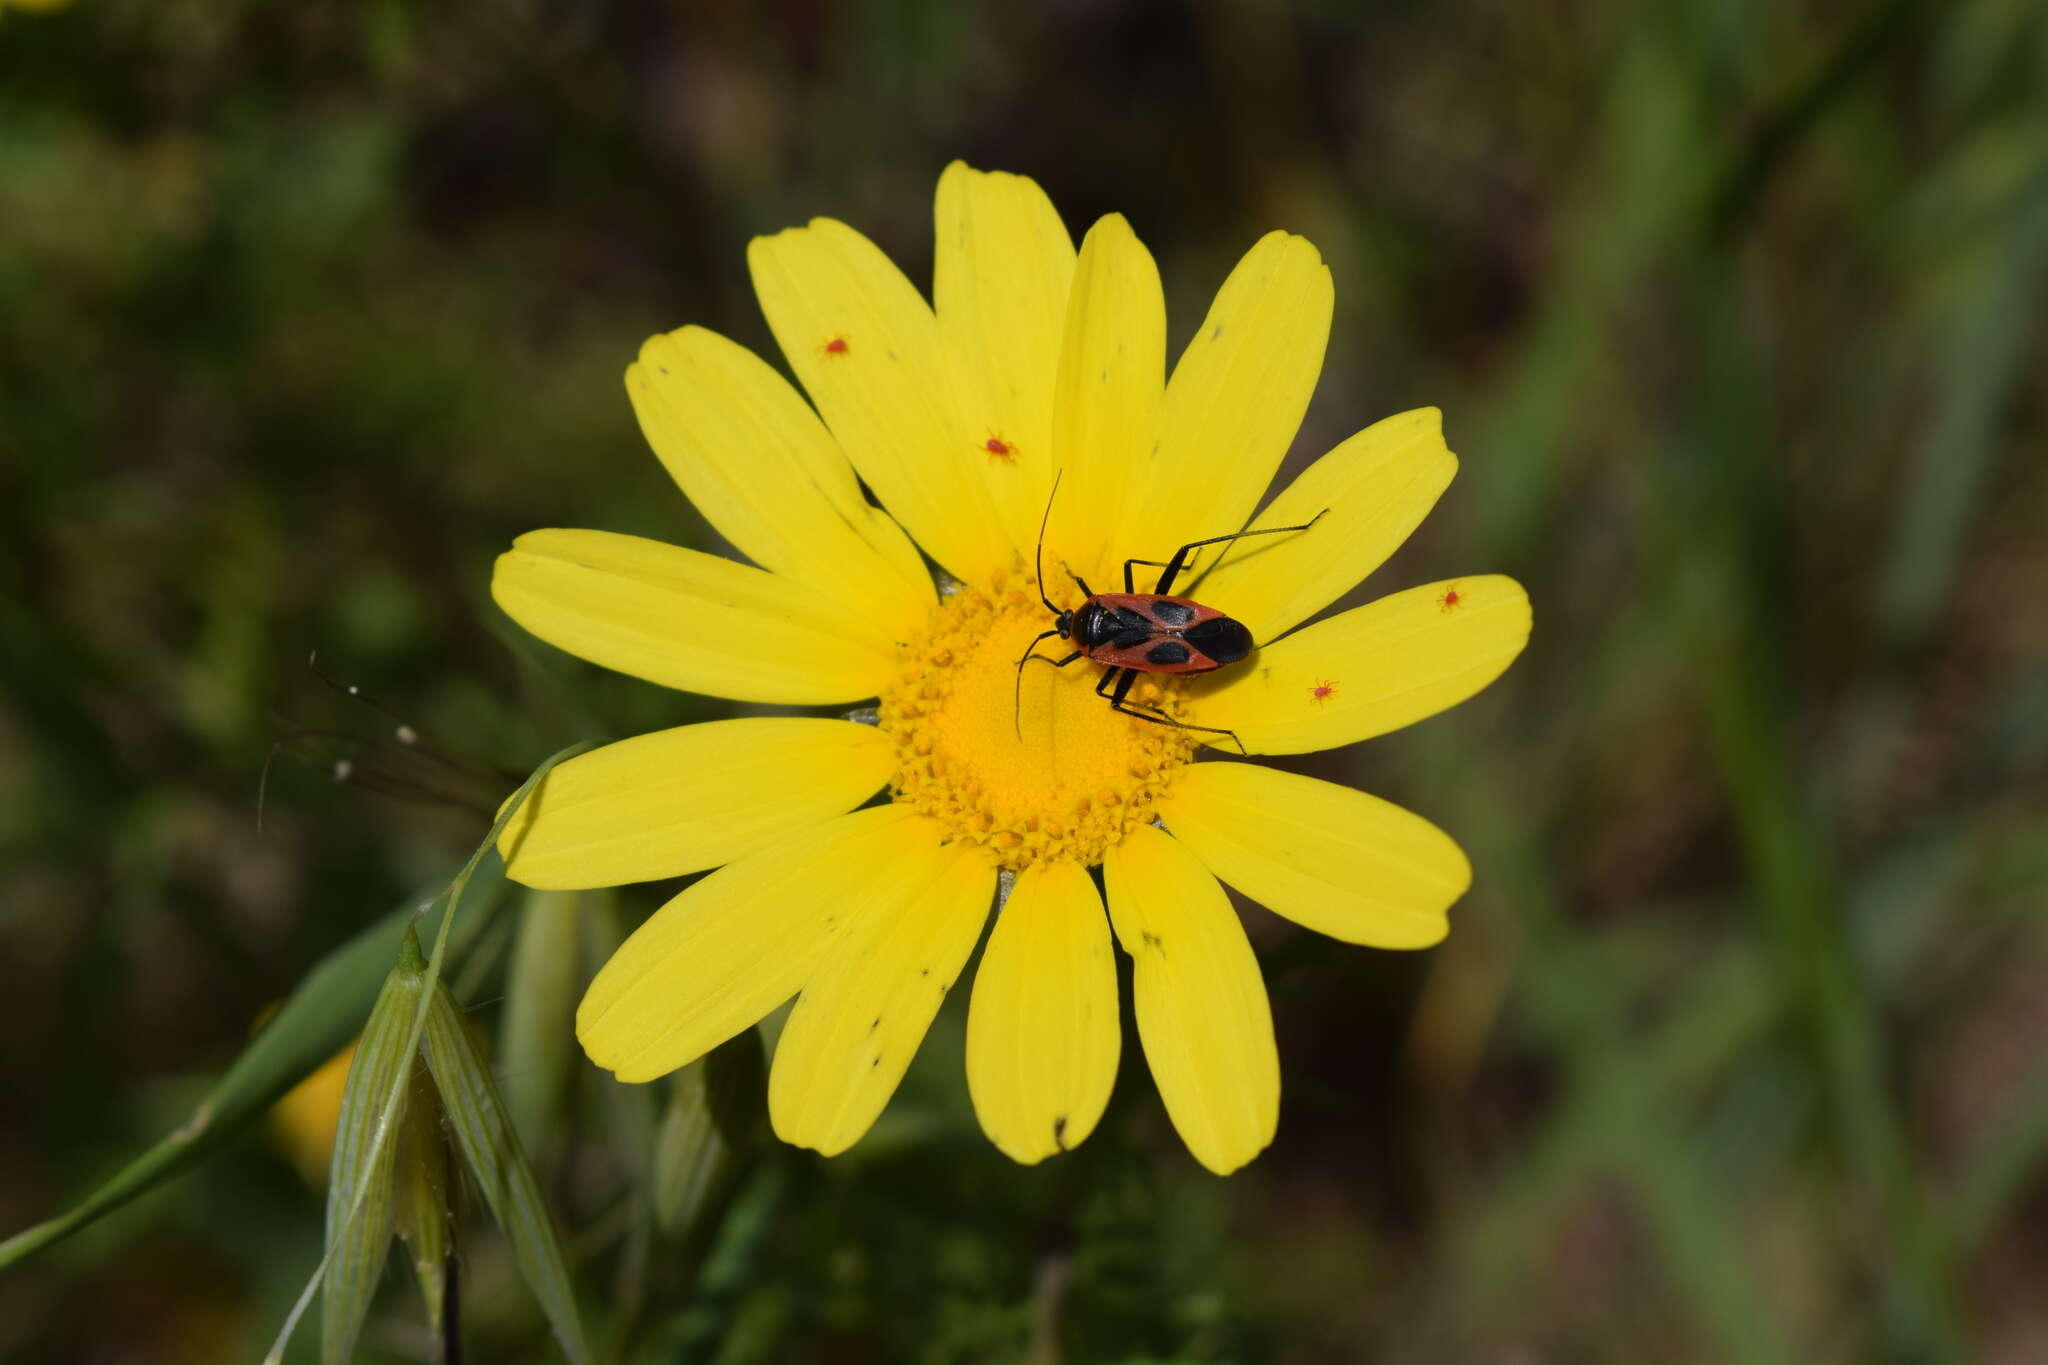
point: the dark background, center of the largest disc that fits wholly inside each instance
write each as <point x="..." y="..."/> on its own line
<point x="1735" y="1051"/>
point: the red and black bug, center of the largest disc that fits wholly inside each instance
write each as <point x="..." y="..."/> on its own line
<point x="1132" y="632"/>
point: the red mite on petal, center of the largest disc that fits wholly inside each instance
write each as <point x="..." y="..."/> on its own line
<point x="1322" y="692"/>
<point x="836" y="346"/>
<point x="996" y="445"/>
<point x="1449" y="601"/>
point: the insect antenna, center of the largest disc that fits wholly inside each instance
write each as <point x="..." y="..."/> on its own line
<point x="1038" y="570"/>
<point x="1038" y="556"/>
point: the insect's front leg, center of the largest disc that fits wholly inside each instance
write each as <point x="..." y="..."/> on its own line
<point x="1031" y="652"/>
<point x="1017" y="692"/>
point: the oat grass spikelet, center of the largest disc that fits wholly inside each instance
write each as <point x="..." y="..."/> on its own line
<point x="1033" y="359"/>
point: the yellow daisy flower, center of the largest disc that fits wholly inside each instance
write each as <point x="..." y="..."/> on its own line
<point x="1033" y="361"/>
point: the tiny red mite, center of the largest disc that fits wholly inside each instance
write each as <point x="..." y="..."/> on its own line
<point x="1132" y="632"/>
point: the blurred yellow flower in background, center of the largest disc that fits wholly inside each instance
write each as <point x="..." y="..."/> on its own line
<point x="1034" y="361"/>
<point x="302" y="1123"/>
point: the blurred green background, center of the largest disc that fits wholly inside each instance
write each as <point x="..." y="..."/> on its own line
<point x="1734" y="310"/>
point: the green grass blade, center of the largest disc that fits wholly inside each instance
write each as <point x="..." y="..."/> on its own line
<point x="359" y="1214"/>
<point x="1983" y="356"/>
<point x="626" y="1115"/>
<point x="319" y="1019"/>
<point x="2001" y="1166"/>
<point x="497" y="1163"/>
<point x="537" y="1029"/>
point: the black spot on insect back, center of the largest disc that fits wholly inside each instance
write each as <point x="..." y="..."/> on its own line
<point x="1167" y="653"/>
<point x="1221" y="638"/>
<point x="1172" y="613"/>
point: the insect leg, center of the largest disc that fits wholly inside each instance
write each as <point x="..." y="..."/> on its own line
<point x="1170" y="722"/>
<point x="1030" y="654"/>
<point x="1120" y="703"/>
<point x="1130" y="586"/>
<point x="1180" y="556"/>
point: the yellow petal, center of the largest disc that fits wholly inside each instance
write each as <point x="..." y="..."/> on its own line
<point x="1369" y="670"/>
<point x="689" y="620"/>
<point x="1042" y="1028"/>
<point x="1373" y="490"/>
<point x="682" y="800"/>
<point x="761" y="467"/>
<point x="1200" y="1002"/>
<point x="866" y="347"/>
<point x="1330" y="858"/>
<point x="732" y="947"/>
<point x="1233" y="404"/>
<point x="999" y="282"/>
<point x="1112" y="378"/>
<point x="861" y="1017"/>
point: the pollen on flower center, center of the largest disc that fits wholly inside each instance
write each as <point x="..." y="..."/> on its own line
<point x="1053" y="774"/>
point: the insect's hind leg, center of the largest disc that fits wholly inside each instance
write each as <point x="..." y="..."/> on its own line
<point x="1180" y="556"/>
<point x="1119" y="701"/>
<point x="1133" y="710"/>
